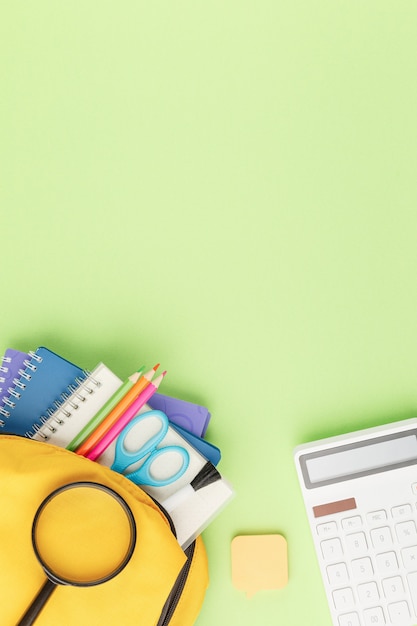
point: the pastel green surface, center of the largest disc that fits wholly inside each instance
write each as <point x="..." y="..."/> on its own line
<point x="228" y="188"/>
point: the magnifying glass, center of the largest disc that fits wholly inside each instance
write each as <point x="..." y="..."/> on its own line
<point x="83" y="534"/>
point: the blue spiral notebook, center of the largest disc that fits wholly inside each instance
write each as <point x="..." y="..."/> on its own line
<point x="45" y="380"/>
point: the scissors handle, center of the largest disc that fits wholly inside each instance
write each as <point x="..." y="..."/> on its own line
<point x="123" y="457"/>
<point x="142" y="476"/>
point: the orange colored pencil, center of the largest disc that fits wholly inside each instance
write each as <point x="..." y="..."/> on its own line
<point x="115" y="413"/>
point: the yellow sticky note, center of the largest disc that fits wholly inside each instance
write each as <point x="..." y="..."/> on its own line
<point x="259" y="562"/>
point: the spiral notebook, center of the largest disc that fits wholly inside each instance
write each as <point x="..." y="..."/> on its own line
<point x="11" y="363"/>
<point x="78" y="408"/>
<point x="42" y="382"/>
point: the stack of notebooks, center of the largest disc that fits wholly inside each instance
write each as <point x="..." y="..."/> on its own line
<point x="96" y="414"/>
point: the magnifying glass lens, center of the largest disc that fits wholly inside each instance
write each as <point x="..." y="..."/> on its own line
<point x="82" y="535"/>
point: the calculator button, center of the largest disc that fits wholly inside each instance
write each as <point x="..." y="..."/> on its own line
<point x="356" y="543"/>
<point x="381" y="537"/>
<point x="349" y="619"/>
<point x="410" y="557"/>
<point x="362" y="568"/>
<point x="393" y="587"/>
<point x="406" y="532"/>
<point x="399" y="613"/>
<point x="401" y="511"/>
<point x="412" y="584"/>
<point x="368" y="593"/>
<point x="414" y="488"/>
<point x="343" y="598"/>
<point x="374" y="616"/>
<point x="325" y="530"/>
<point x="387" y="562"/>
<point x="331" y="549"/>
<point x="376" y="517"/>
<point x="337" y="574"/>
<point x="352" y="523"/>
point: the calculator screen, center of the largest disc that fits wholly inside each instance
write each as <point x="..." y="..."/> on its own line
<point x="359" y="459"/>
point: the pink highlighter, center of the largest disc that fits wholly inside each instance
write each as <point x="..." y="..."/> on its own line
<point x="125" y="418"/>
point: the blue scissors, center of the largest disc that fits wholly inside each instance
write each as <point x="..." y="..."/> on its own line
<point x="123" y="458"/>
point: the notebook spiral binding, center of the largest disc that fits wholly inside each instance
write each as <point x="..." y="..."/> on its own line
<point x="4" y="369"/>
<point x="15" y="392"/>
<point x="65" y="407"/>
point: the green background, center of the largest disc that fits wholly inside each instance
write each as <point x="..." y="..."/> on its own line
<point x="228" y="188"/>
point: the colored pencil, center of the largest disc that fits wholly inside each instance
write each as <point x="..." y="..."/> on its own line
<point x="105" y="410"/>
<point x="116" y="413"/>
<point x="129" y="414"/>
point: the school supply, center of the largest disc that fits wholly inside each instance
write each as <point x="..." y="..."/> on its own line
<point x="11" y="363"/>
<point x="160" y="585"/>
<point x="208" y="450"/>
<point x="72" y="525"/>
<point x="190" y="420"/>
<point x="191" y="417"/>
<point x="193" y="513"/>
<point x="116" y="413"/>
<point x="45" y="380"/>
<point x="259" y="562"/>
<point x="149" y="453"/>
<point x="180" y="466"/>
<point x="76" y="410"/>
<point x="360" y="494"/>
<point x="206" y="476"/>
<point x="123" y="420"/>
<point x="113" y="401"/>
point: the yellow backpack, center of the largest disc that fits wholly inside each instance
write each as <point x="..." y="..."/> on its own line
<point x="161" y="585"/>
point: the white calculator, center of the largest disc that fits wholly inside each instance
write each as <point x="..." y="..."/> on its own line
<point x="360" y="492"/>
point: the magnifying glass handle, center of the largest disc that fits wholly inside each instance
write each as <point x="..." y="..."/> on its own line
<point x="37" y="605"/>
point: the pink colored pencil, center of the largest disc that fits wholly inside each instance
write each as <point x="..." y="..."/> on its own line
<point x="124" y="419"/>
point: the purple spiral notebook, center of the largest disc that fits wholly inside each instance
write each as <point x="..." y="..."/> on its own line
<point x="12" y="362"/>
